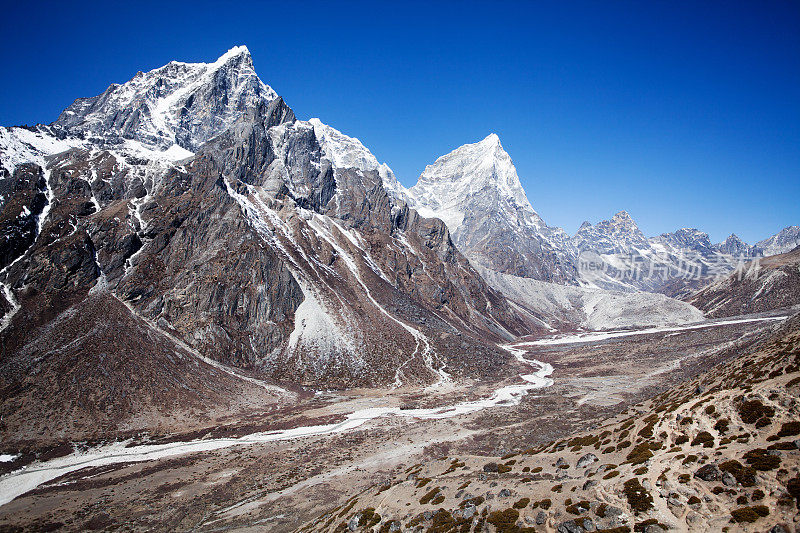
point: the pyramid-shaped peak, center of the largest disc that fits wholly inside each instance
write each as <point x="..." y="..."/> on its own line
<point x="492" y="138"/>
<point x="241" y="53"/>
<point x="236" y="51"/>
<point x="623" y="221"/>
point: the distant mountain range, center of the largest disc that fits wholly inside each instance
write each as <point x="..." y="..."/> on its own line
<point x="475" y="190"/>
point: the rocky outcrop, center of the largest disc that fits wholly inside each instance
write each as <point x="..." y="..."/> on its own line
<point x="23" y="200"/>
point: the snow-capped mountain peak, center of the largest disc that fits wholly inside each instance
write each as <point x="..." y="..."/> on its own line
<point x="688" y="238"/>
<point x="622" y="224"/>
<point x="183" y="104"/>
<point x="480" y="173"/>
<point x="734" y="246"/>
<point x="476" y="191"/>
<point x="491" y="140"/>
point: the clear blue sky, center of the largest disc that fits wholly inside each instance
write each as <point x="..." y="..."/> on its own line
<point x="683" y="114"/>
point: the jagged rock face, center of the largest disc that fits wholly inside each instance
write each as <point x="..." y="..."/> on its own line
<point x="23" y="200"/>
<point x="784" y="241"/>
<point x="762" y="285"/>
<point x="476" y="191"/>
<point x="618" y="235"/>
<point x="735" y="247"/>
<point x="182" y="104"/>
<point x="688" y="238"/>
<point x="339" y="224"/>
<point x="348" y="152"/>
<point x="264" y="250"/>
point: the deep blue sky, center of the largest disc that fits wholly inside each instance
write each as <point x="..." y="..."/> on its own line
<point x="683" y="114"/>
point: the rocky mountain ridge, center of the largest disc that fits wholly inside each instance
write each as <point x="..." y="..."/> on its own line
<point x="221" y="221"/>
<point x="761" y="285"/>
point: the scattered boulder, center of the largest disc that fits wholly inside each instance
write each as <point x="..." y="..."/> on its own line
<point x="541" y="518"/>
<point x="570" y="526"/>
<point x="710" y="472"/>
<point x="586" y="460"/>
<point x="466" y="513"/>
<point x="352" y="525"/>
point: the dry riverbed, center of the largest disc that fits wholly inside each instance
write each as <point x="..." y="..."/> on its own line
<point x="284" y="483"/>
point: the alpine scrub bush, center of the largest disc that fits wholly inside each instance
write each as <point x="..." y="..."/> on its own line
<point x="789" y="429"/>
<point x="638" y="498"/>
<point x="705" y="438"/>
<point x="751" y="411"/>
<point x="749" y="514"/>
<point x="429" y="496"/>
<point x="760" y="459"/>
<point x="521" y="503"/>
<point x="744" y="475"/>
<point x="504" y="521"/>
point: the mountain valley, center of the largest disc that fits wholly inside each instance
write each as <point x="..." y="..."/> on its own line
<point x="219" y="316"/>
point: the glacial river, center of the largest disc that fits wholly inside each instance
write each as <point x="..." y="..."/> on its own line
<point x="28" y="478"/>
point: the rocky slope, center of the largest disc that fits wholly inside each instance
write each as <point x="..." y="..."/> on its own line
<point x="97" y="371"/>
<point x="784" y="241"/>
<point x="719" y="452"/>
<point x="762" y="285"/>
<point x="194" y="196"/>
<point x="560" y="307"/>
